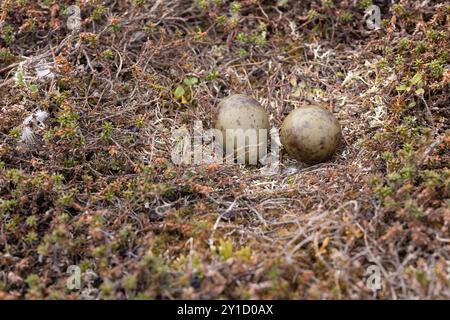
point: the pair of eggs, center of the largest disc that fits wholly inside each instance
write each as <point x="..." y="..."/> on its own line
<point x="310" y="134"/>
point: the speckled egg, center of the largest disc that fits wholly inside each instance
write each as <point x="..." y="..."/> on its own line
<point x="311" y="134"/>
<point x="239" y="111"/>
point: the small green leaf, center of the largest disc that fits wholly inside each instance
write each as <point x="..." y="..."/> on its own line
<point x="420" y="91"/>
<point x="226" y="249"/>
<point x="179" y="92"/>
<point x="402" y="87"/>
<point x="190" y="81"/>
<point x="416" y="79"/>
<point x="411" y="104"/>
<point x="34" y="88"/>
<point x="296" y="92"/>
<point x="20" y="78"/>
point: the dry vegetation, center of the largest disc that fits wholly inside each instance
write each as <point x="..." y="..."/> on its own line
<point x="93" y="184"/>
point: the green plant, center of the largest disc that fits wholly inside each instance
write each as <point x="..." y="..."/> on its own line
<point x="327" y="3"/>
<point x="107" y="129"/>
<point x="222" y="19"/>
<point x="235" y="7"/>
<point x="404" y="43"/>
<point x="15" y="176"/>
<point x="243" y="52"/>
<point x="68" y="122"/>
<point x="114" y="25"/>
<point x="99" y="12"/>
<point x="203" y="4"/>
<point x="190" y="81"/>
<point x="435" y="35"/>
<point x="213" y="75"/>
<point x="421" y="47"/>
<point x="15" y="133"/>
<point x="5" y="55"/>
<point x="31" y="236"/>
<point x="31" y="221"/>
<point x="415" y="82"/>
<point x="20" y="79"/>
<point x="107" y="54"/>
<point x="33" y="280"/>
<point x="179" y="92"/>
<point x="399" y="61"/>
<point x="437" y="68"/>
<point x="67" y="198"/>
<point x="8" y="206"/>
<point x="184" y="92"/>
<point x="347" y="16"/>
<point x="7" y="33"/>
<point x="312" y="14"/>
<point x="241" y="37"/>
<point x="364" y="4"/>
<point x="58" y="179"/>
<point x="140" y="122"/>
<point x="399" y="9"/>
<point x="139" y="3"/>
<point x="244" y="253"/>
<point x="383" y="63"/>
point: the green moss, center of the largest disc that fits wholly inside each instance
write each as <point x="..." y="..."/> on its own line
<point x="364" y="4"/>
<point x="7" y="33"/>
<point x="436" y="68"/>
<point x="33" y="280"/>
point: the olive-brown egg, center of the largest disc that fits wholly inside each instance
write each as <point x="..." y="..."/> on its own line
<point x="310" y="134"/>
<point x="241" y="118"/>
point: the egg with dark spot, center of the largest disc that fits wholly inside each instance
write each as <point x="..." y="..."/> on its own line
<point x="311" y="134"/>
<point x="239" y="111"/>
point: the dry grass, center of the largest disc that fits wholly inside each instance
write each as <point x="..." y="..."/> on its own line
<point x="97" y="189"/>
